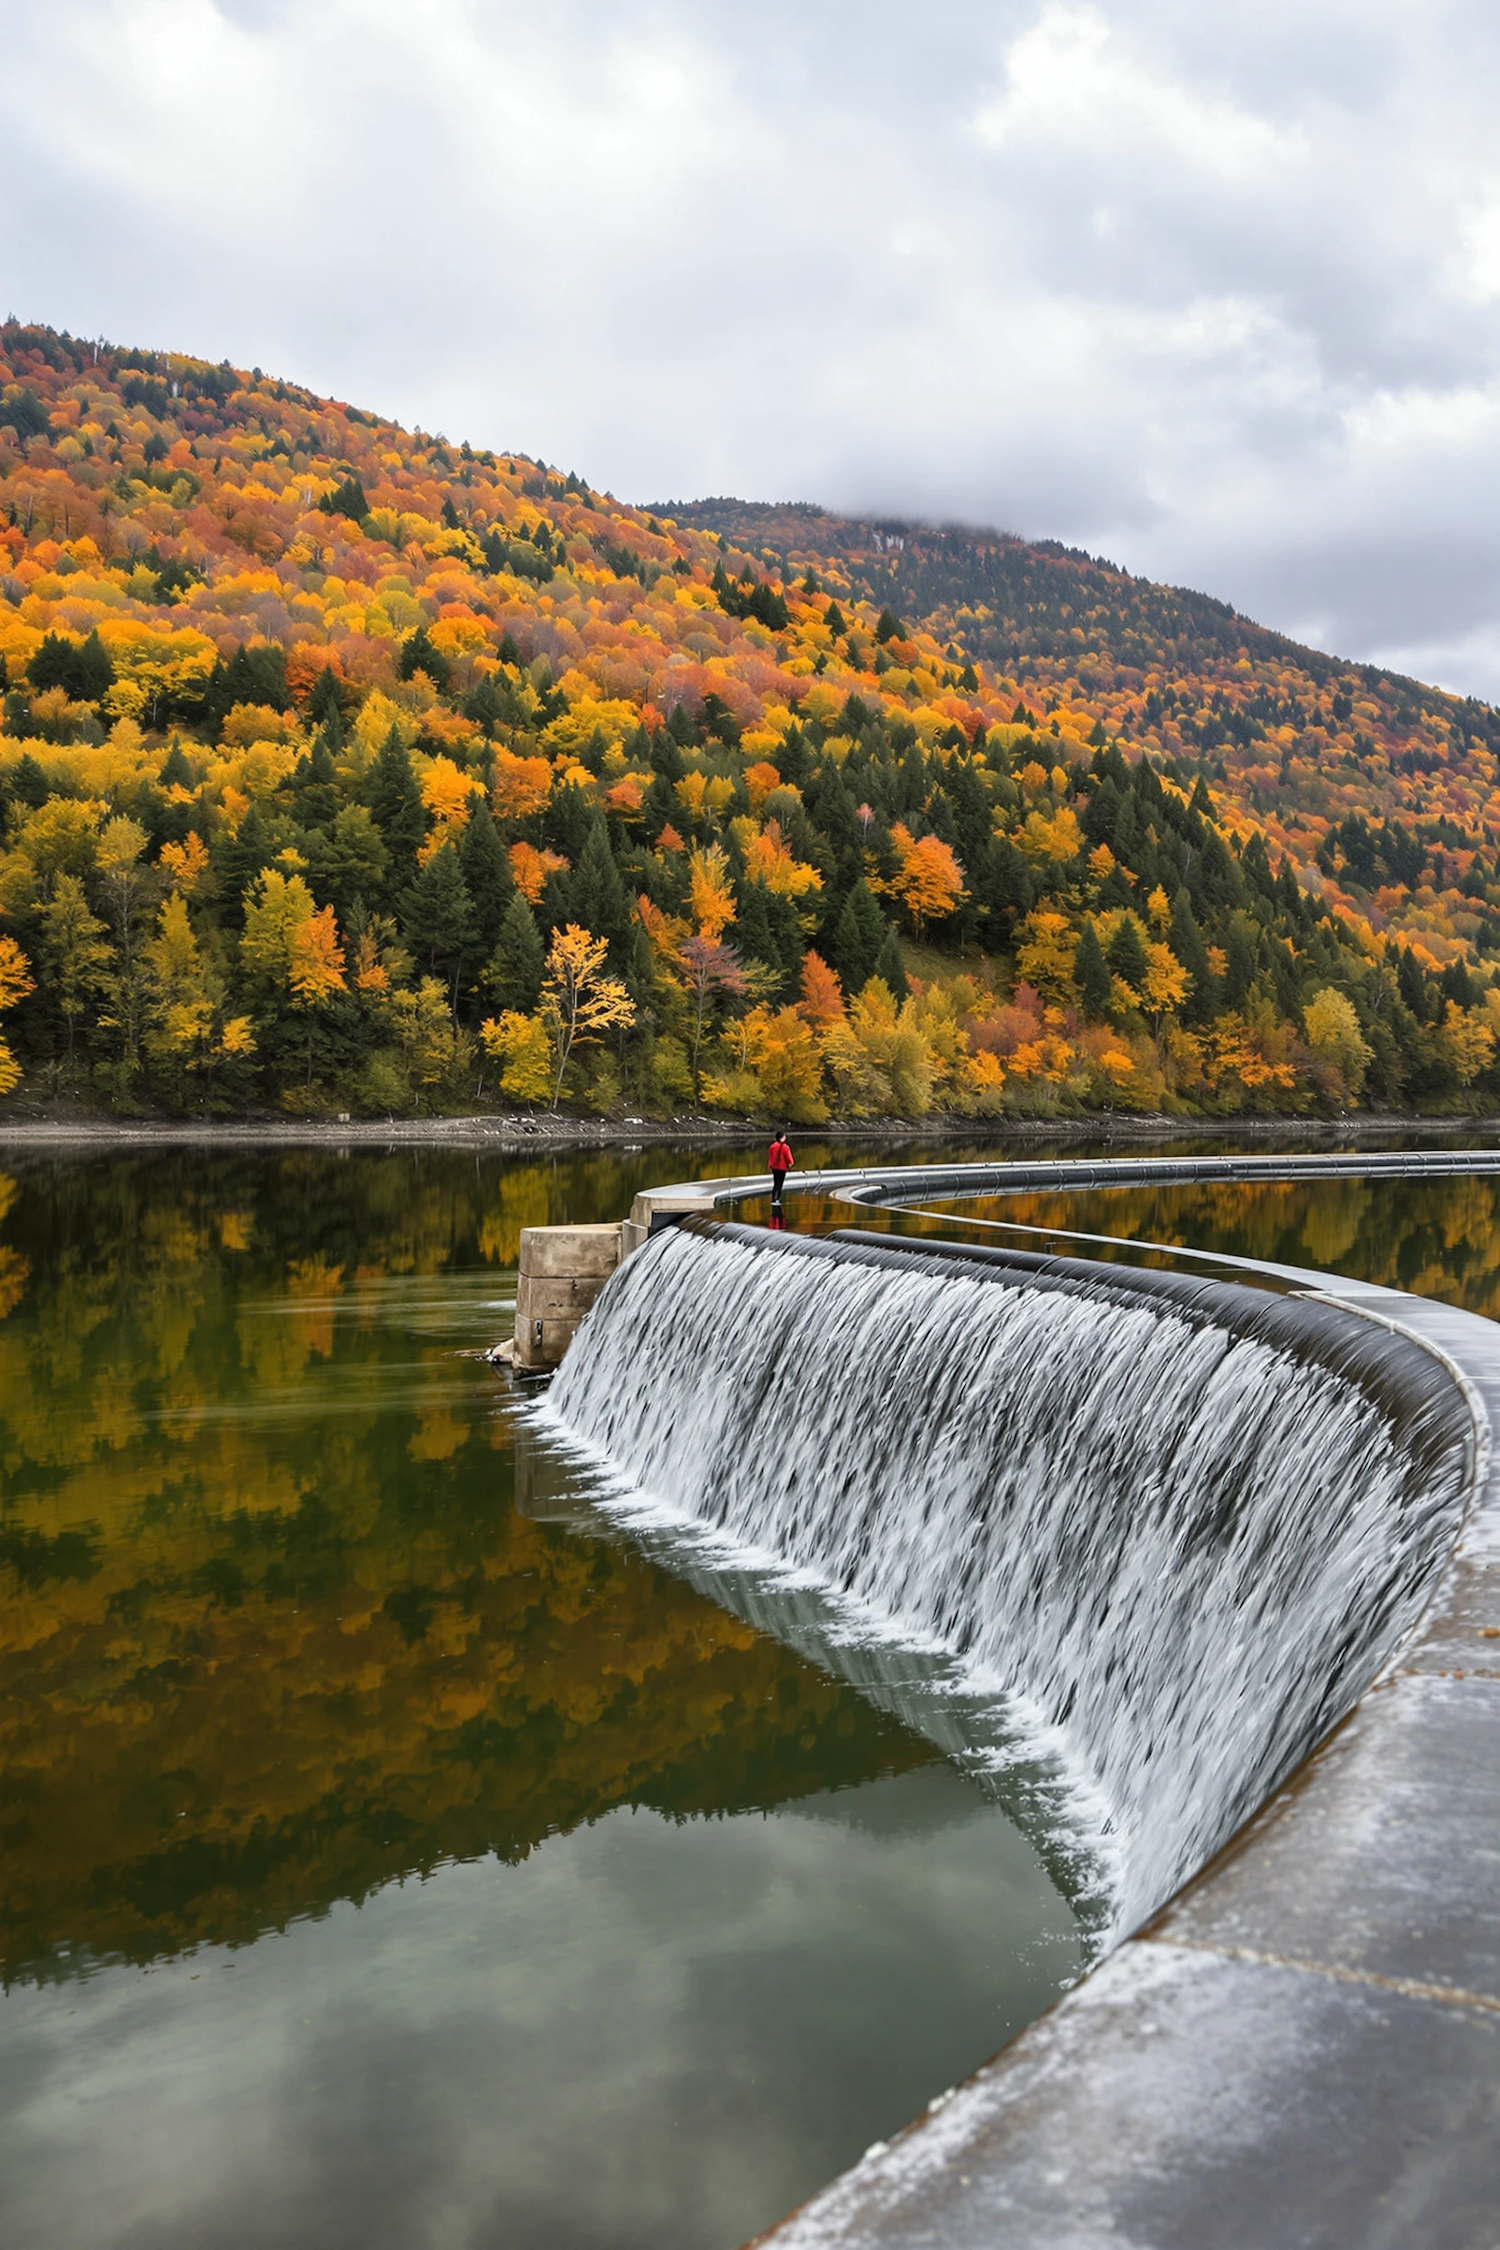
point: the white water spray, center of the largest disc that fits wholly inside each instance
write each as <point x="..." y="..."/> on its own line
<point x="1181" y="1549"/>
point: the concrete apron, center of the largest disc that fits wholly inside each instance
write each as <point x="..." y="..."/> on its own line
<point x="1301" y="2050"/>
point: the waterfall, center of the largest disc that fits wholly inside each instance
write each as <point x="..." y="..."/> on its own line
<point x="1178" y="1525"/>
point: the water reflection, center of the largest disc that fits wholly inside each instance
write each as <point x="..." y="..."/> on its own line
<point x="386" y="1863"/>
<point x="270" y="1629"/>
<point x="1435" y="1237"/>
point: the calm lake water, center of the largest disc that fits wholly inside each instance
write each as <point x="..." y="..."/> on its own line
<point x="394" y="1857"/>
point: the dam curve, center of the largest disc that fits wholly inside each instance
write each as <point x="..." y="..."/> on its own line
<point x="1176" y="1523"/>
<point x="1234" y="1551"/>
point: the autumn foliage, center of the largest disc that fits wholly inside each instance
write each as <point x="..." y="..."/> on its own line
<point x="345" y="767"/>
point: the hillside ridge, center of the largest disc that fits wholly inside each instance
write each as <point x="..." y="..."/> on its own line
<point x="347" y="768"/>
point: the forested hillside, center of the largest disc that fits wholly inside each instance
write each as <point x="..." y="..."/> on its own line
<point x="346" y="768"/>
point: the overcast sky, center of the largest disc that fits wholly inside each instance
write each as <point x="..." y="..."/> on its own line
<point x="1211" y="287"/>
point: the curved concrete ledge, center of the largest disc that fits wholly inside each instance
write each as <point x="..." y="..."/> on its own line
<point x="1303" y="2047"/>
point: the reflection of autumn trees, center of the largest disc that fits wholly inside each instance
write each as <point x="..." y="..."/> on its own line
<point x="270" y="1629"/>
<point x="1437" y="1238"/>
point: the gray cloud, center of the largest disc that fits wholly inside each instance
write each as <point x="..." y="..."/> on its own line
<point x="1215" y="291"/>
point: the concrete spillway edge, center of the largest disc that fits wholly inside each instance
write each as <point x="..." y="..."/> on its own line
<point x="1303" y="2046"/>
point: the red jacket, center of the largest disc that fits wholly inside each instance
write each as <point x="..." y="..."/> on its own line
<point x="779" y="1157"/>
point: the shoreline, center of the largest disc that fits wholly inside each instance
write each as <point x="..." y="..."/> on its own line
<point x="519" y="1133"/>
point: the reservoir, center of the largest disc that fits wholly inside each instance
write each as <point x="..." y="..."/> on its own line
<point x="397" y="1848"/>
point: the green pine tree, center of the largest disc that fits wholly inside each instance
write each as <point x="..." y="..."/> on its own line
<point x="1240" y="948"/>
<point x="316" y="795"/>
<point x="419" y="655"/>
<point x="597" y="894"/>
<point x="513" y="977"/>
<point x="486" y="870"/>
<point x="437" y="918"/>
<point x="1091" y="974"/>
<point x="396" y="803"/>
<point x="859" y="937"/>
<point x="238" y="860"/>
<point x="1127" y="954"/>
<point x="890" y="967"/>
<point x="1186" y="941"/>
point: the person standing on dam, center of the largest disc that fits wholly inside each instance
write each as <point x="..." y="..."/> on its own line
<point x="780" y="1159"/>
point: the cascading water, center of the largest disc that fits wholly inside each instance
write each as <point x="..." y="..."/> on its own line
<point x="1176" y="1525"/>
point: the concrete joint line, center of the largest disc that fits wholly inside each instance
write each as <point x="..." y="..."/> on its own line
<point x="1408" y="1987"/>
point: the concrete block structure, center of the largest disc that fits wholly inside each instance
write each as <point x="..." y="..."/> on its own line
<point x="562" y="1271"/>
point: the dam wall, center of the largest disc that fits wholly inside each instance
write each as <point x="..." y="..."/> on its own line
<point x="1175" y="1522"/>
<point x="1301" y="2045"/>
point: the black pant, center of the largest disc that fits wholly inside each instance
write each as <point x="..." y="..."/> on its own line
<point x="778" y="1182"/>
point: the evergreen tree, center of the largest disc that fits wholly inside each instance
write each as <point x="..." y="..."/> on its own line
<point x="973" y="820"/>
<point x="396" y="803"/>
<point x="419" y="655"/>
<point x="792" y="760"/>
<point x="832" y="806"/>
<point x="890" y="968"/>
<point x="1239" y="974"/>
<point x="346" y="862"/>
<point x="570" y="819"/>
<point x="599" y="900"/>
<point x="767" y="930"/>
<point x="437" y="917"/>
<point x="1003" y="890"/>
<point x="1186" y="941"/>
<point x="1127" y="955"/>
<point x="238" y="860"/>
<point x="485" y="864"/>
<point x="28" y="784"/>
<point x="1091" y="974"/>
<point x="1457" y="985"/>
<point x="513" y="977"/>
<point x="324" y="703"/>
<point x="316" y="795"/>
<point x="1412" y="985"/>
<point x="667" y="759"/>
<point x="859" y="937"/>
<point x="486" y="706"/>
<point x="176" y="773"/>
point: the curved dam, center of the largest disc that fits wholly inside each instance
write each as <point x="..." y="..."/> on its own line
<point x="1175" y="1523"/>
<point x="1231" y="1557"/>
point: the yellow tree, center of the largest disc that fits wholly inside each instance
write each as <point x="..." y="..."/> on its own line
<point x="712" y="898"/>
<point x="1046" y="953"/>
<point x="315" y="959"/>
<point x="783" y="1052"/>
<point x="179" y="1002"/>
<point x="183" y="998"/>
<point x="124" y="881"/>
<point x="16" y="980"/>
<point x="520" y="1045"/>
<point x="1467" y="1040"/>
<point x="77" y="951"/>
<point x="1166" y="985"/>
<point x="578" y="1000"/>
<point x="293" y="945"/>
<point x="929" y="881"/>
<point x="1334" y="1036"/>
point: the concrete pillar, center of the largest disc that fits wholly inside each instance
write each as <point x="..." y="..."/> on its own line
<point x="562" y="1271"/>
